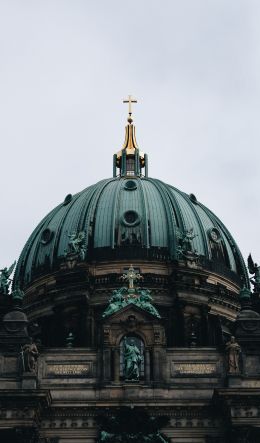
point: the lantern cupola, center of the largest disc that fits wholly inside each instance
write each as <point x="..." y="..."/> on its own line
<point x="130" y="161"/>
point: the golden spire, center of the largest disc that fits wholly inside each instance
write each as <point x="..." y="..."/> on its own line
<point x="129" y="160"/>
<point x="130" y="141"/>
<point x="130" y="100"/>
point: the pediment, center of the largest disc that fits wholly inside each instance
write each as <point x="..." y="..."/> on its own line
<point x="123" y="314"/>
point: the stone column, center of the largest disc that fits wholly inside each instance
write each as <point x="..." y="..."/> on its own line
<point x="156" y="364"/>
<point x="147" y="365"/>
<point x="107" y="364"/>
<point x="90" y="327"/>
<point x="116" y="365"/>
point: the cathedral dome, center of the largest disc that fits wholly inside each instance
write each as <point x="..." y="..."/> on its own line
<point x="130" y="217"/>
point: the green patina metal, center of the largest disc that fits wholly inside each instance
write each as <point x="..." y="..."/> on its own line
<point x="125" y="296"/>
<point x="5" y="280"/>
<point x="17" y="294"/>
<point x="185" y="248"/>
<point x="244" y="294"/>
<point x="159" y="213"/>
<point x="76" y="244"/>
<point x="132" y="359"/>
<point x="254" y="270"/>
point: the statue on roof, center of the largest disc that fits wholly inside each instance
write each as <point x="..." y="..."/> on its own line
<point x="17" y="294"/>
<point x="116" y="302"/>
<point x="125" y="296"/>
<point x="76" y="244"/>
<point x="144" y="301"/>
<point x="185" y="248"/>
<point x="5" y="279"/>
<point x="254" y="269"/>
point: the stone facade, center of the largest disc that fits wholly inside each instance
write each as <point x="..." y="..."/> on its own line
<point x="185" y="374"/>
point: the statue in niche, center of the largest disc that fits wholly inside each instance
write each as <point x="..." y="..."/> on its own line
<point x="185" y="248"/>
<point x="132" y="360"/>
<point x="29" y="356"/>
<point x="76" y="244"/>
<point x="5" y="279"/>
<point x="254" y="269"/>
<point x="233" y="352"/>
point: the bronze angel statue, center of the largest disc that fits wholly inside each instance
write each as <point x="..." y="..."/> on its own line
<point x="254" y="269"/>
<point x="5" y="279"/>
<point x="76" y="244"/>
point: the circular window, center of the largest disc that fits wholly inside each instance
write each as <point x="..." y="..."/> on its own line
<point x="46" y="236"/>
<point x="130" y="185"/>
<point x="67" y="199"/>
<point x="131" y="218"/>
<point x="214" y="235"/>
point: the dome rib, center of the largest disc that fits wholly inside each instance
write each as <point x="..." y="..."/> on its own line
<point x="96" y="199"/>
<point x="114" y="212"/>
<point x="167" y="209"/>
<point x="145" y="212"/>
<point x="26" y="251"/>
<point x="202" y="231"/>
<point x="233" y="243"/>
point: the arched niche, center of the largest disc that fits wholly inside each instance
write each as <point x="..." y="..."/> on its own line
<point x="138" y="343"/>
<point x="132" y="321"/>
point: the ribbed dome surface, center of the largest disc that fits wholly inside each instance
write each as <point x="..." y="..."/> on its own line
<point x="133" y="217"/>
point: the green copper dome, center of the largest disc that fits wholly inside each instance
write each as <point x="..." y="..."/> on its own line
<point x="129" y="218"/>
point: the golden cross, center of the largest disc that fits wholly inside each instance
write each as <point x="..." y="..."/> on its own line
<point x="130" y="100"/>
<point x="131" y="276"/>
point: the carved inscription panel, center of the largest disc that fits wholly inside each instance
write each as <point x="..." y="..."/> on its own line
<point x="60" y="369"/>
<point x="193" y="368"/>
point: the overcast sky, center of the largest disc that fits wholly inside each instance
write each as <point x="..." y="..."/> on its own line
<point x="65" y="67"/>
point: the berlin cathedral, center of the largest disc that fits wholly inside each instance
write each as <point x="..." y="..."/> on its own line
<point x="130" y="316"/>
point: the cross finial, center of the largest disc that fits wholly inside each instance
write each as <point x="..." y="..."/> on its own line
<point x="131" y="276"/>
<point x="130" y="100"/>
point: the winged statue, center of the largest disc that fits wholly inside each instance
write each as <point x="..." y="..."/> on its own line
<point x="5" y="279"/>
<point x="254" y="270"/>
